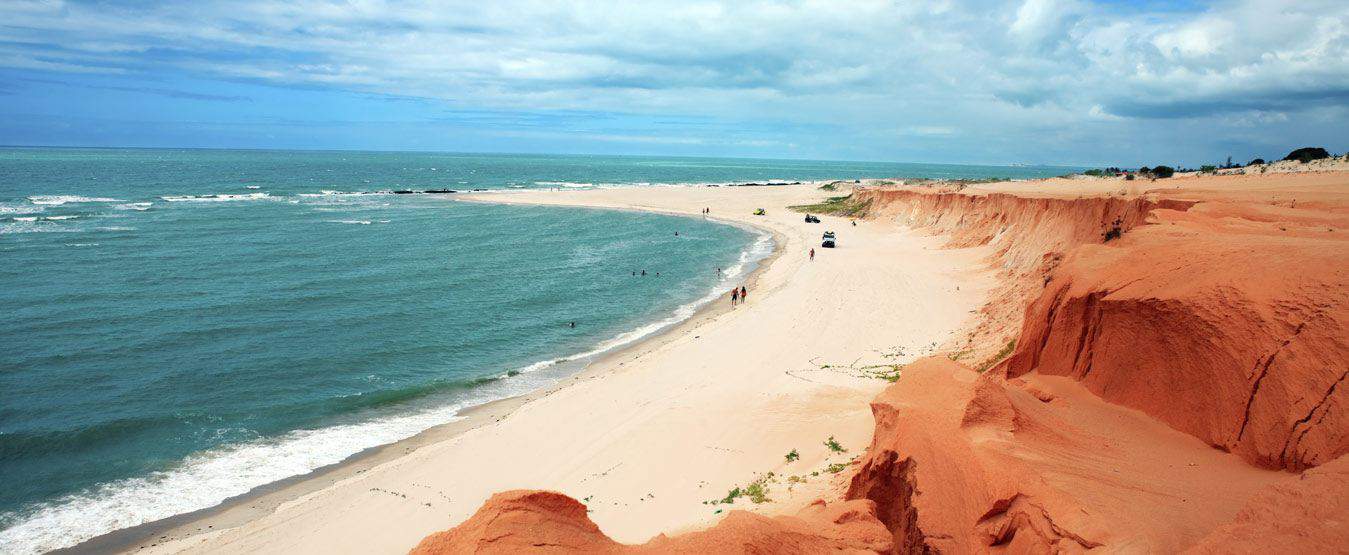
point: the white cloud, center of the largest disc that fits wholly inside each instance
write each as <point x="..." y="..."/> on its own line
<point x="968" y="67"/>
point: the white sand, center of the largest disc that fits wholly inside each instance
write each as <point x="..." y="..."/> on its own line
<point x="647" y="436"/>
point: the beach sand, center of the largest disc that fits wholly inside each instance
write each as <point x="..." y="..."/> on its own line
<point x="647" y="436"/>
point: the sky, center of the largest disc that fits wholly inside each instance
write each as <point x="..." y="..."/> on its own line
<point x="1069" y="82"/>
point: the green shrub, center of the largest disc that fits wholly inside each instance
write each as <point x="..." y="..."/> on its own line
<point x="1307" y="154"/>
<point x="845" y="206"/>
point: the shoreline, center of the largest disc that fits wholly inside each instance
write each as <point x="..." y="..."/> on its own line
<point x="266" y="498"/>
<point x="650" y="434"/>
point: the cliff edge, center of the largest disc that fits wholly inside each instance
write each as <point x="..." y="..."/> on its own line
<point x="1173" y="380"/>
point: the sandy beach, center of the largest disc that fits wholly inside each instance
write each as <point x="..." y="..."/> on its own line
<point x="648" y="436"/>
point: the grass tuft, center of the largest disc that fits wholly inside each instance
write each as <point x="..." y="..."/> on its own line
<point x="845" y="206"/>
<point x="1006" y="350"/>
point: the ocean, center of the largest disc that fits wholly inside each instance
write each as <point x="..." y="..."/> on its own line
<point x="181" y="326"/>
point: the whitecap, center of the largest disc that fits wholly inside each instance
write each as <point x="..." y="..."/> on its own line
<point x="57" y="200"/>
<point x="564" y="184"/>
<point x="204" y="480"/>
<point x="207" y="478"/>
<point x="216" y="198"/>
<point x="135" y="206"/>
<point x="20" y="209"/>
<point x="327" y="193"/>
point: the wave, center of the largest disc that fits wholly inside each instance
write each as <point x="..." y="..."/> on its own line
<point x="326" y="193"/>
<point x="134" y="206"/>
<point x="42" y="218"/>
<point x="210" y="477"/>
<point x="569" y="184"/>
<point x="57" y="200"/>
<point x="20" y="209"/>
<point x="206" y="479"/>
<point x="252" y="187"/>
<point x="762" y="247"/>
<point x="33" y="225"/>
<point x="217" y="198"/>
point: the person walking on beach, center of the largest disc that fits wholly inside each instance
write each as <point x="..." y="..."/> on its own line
<point x="812" y="255"/>
<point x="735" y="296"/>
<point x="744" y="294"/>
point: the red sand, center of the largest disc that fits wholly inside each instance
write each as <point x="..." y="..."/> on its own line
<point x="546" y="522"/>
<point x="1178" y="383"/>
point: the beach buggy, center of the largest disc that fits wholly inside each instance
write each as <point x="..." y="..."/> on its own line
<point x="828" y="240"/>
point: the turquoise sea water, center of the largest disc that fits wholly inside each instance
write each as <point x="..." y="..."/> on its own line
<point x="181" y="326"/>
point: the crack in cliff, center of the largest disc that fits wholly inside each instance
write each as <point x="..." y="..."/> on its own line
<point x="1283" y="456"/>
<point x="1049" y="325"/>
<point x="1255" y="388"/>
<point x="890" y="483"/>
<point x="1086" y="338"/>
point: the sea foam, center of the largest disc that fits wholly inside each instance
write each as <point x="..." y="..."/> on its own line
<point x="216" y="198"/>
<point x="57" y="200"/>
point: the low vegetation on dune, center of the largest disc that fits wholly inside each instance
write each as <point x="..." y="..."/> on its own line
<point x="1307" y="154"/>
<point x="1159" y="172"/>
<point x="845" y="206"/>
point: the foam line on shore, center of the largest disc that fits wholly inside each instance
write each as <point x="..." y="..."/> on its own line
<point x="211" y="477"/>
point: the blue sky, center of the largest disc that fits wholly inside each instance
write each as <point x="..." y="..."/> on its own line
<point x="980" y="81"/>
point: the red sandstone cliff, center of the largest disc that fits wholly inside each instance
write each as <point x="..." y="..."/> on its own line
<point x="547" y="522"/>
<point x="1158" y="328"/>
<point x="1178" y="383"/>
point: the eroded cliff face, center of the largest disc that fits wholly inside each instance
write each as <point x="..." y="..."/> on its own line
<point x="1028" y="238"/>
<point x="1225" y="327"/>
<point x="1218" y="317"/>
<point x="1224" y="318"/>
<point x="526" y="521"/>
<point x="1178" y="383"/>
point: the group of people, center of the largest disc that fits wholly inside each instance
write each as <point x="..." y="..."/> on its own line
<point x="707" y="211"/>
<point x="738" y="295"/>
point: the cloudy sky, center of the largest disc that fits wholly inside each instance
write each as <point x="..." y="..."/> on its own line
<point x="980" y="81"/>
